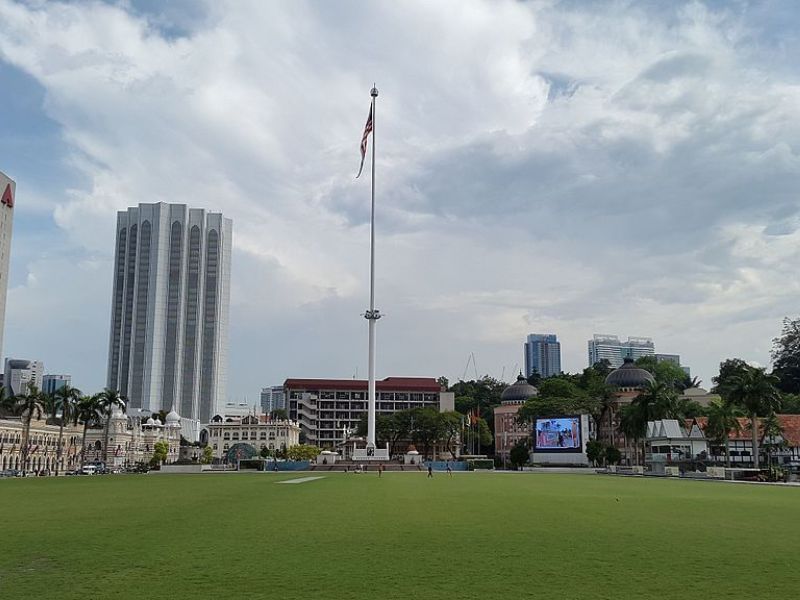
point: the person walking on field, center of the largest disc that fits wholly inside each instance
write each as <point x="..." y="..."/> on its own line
<point x="430" y="471"/>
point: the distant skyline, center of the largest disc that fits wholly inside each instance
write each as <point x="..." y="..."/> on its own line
<point x="542" y="166"/>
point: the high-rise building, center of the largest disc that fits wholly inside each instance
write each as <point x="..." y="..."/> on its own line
<point x="610" y="348"/>
<point x="20" y="373"/>
<point x="542" y="354"/>
<point x="272" y="398"/>
<point x="168" y="342"/>
<point x="51" y="383"/>
<point x="8" y="190"/>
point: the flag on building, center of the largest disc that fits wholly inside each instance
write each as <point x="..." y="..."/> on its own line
<point x="367" y="131"/>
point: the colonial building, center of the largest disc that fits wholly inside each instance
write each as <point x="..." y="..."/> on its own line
<point x="329" y="410"/>
<point x="43" y="454"/>
<point x="507" y="431"/>
<point x="248" y="435"/>
<point x="627" y="381"/>
<point x="132" y="439"/>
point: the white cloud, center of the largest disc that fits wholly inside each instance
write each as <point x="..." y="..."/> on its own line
<point x="543" y="166"/>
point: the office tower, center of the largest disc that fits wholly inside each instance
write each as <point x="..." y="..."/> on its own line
<point x="8" y="191"/>
<point x="168" y="339"/>
<point x="542" y="354"/>
<point x="272" y="398"/>
<point x="51" y="383"/>
<point x="19" y="373"/>
<point x="610" y="348"/>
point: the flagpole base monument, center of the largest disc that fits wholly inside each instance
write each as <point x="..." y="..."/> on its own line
<point x="371" y="452"/>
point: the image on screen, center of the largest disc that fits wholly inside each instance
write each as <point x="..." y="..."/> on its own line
<point x="563" y="433"/>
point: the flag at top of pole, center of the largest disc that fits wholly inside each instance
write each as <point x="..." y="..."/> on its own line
<point x="367" y="131"/>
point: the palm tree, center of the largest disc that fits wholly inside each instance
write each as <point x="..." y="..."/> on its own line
<point x="773" y="434"/>
<point x="26" y="405"/>
<point x="723" y="418"/>
<point x="66" y="400"/>
<point x="107" y="401"/>
<point x="754" y="391"/>
<point x="87" y="411"/>
<point x="656" y="401"/>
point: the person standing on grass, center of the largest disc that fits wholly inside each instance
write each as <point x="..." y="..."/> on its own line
<point x="430" y="471"/>
<point x="449" y="470"/>
<point x="380" y="470"/>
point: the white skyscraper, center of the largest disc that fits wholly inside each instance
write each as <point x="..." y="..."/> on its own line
<point x="168" y="343"/>
<point x="20" y="373"/>
<point x="8" y="191"/>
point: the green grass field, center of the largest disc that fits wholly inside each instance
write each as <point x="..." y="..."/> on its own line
<point x="475" y="535"/>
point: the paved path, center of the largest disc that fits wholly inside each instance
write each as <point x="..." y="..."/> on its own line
<point x="300" y="480"/>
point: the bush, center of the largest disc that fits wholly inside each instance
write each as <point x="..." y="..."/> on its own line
<point x="613" y="455"/>
<point x="480" y="463"/>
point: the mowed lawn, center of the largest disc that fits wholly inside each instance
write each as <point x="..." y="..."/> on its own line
<point x="473" y="535"/>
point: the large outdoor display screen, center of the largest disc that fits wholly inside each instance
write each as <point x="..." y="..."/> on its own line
<point x="561" y="434"/>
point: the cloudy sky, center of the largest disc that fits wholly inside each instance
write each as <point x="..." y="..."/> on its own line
<point x="572" y="167"/>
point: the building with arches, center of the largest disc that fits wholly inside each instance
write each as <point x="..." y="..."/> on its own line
<point x="43" y="449"/>
<point x="168" y="337"/>
<point x="132" y="438"/>
<point x="258" y="431"/>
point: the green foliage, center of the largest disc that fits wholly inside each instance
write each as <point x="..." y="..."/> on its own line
<point x="207" y="456"/>
<point x="279" y="414"/>
<point x="613" y="455"/>
<point x="665" y="372"/>
<point x="790" y="404"/>
<point x="160" y="453"/>
<point x="596" y="451"/>
<point x="519" y="454"/>
<point x="786" y="356"/>
<point x="265" y="452"/>
<point x="302" y="452"/>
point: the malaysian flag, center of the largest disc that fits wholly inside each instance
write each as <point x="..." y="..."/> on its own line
<point x="367" y="131"/>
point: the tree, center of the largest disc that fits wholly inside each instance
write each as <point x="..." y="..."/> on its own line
<point x="613" y="455"/>
<point x="87" y="412"/>
<point x="519" y="454"/>
<point x="107" y="401"/>
<point x="723" y="418"/>
<point x="667" y="372"/>
<point x="773" y="435"/>
<point x="452" y="423"/>
<point x="160" y="453"/>
<point x="279" y="414"/>
<point x="302" y="452"/>
<point x="444" y="382"/>
<point x="729" y="368"/>
<point x="595" y="451"/>
<point x="264" y="452"/>
<point x="754" y="391"/>
<point x="786" y="356"/>
<point x="66" y="402"/>
<point x="28" y="404"/>
<point x="207" y="456"/>
<point x="790" y="404"/>
<point x="428" y="428"/>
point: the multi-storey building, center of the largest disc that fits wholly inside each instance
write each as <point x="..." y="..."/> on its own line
<point x="168" y="339"/>
<point x="615" y="351"/>
<point x="132" y="438"/>
<point x="42" y="443"/>
<point x="272" y="398"/>
<point x="256" y="432"/>
<point x="542" y="355"/>
<point x="20" y="373"/>
<point x="508" y="432"/>
<point x="329" y="410"/>
<point x="8" y="191"/>
<point x="51" y="383"/>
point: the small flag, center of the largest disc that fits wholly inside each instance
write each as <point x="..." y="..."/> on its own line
<point x="367" y="131"/>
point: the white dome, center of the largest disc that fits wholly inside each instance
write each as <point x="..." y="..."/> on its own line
<point x="173" y="417"/>
<point x="150" y="421"/>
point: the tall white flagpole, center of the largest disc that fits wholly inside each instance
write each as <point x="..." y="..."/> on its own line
<point x="372" y="314"/>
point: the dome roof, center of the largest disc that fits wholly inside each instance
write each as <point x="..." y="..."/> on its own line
<point x="629" y="376"/>
<point x="150" y="421"/>
<point x="519" y="391"/>
<point x="173" y="417"/>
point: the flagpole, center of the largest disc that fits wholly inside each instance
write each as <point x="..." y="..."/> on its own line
<point x="372" y="315"/>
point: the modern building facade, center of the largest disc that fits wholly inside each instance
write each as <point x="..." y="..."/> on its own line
<point x="168" y="340"/>
<point x="20" y="373"/>
<point x="272" y="398"/>
<point x="8" y="190"/>
<point x="542" y="355"/>
<point x="51" y="383"/>
<point x="329" y="410"/>
<point x="615" y="351"/>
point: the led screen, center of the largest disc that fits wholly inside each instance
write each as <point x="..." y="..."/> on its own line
<point x="558" y="434"/>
